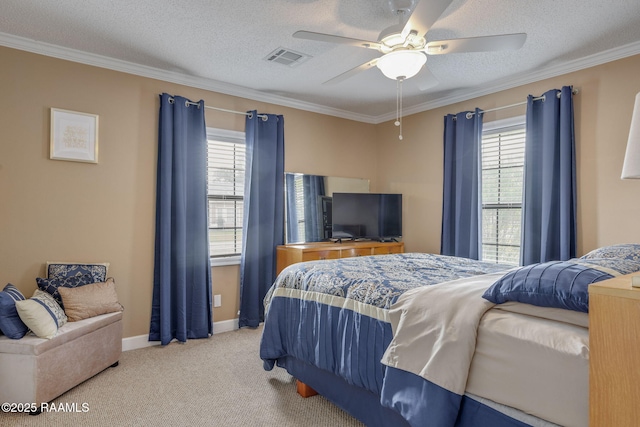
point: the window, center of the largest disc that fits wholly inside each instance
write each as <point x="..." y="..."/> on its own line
<point x="225" y="171"/>
<point x="502" y="180"/>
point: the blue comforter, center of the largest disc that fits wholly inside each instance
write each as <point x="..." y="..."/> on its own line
<point x="333" y="314"/>
<point x="378" y="280"/>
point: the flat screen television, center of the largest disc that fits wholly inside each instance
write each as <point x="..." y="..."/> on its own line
<point x="366" y="216"/>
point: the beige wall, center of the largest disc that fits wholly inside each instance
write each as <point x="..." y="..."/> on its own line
<point x="66" y="211"/>
<point x="608" y="207"/>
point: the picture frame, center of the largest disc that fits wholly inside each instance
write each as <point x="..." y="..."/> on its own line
<point x="74" y="136"/>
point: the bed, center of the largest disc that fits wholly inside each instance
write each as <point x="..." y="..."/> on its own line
<point x="430" y="340"/>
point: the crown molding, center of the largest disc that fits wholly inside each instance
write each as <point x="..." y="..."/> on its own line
<point x="86" y="58"/>
<point x="73" y="55"/>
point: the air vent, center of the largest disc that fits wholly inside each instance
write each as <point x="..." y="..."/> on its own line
<point x="287" y="57"/>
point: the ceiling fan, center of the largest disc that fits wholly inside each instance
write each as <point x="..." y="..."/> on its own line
<point x="404" y="47"/>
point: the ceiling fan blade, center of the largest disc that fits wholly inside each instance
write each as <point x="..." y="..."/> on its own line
<point x="352" y="72"/>
<point x="476" y="44"/>
<point x="330" y="38"/>
<point x="424" y="16"/>
<point x="425" y="79"/>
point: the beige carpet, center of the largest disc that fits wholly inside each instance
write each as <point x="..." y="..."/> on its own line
<point x="213" y="382"/>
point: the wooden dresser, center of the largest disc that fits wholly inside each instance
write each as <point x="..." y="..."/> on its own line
<point x="290" y="254"/>
<point x="614" y="353"/>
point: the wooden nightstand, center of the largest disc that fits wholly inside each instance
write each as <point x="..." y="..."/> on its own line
<point x="614" y="353"/>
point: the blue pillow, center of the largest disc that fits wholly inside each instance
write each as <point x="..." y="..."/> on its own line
<point x="60" y="270"/>
<point x="628" y="251"/>
<point x="10" y="323"/>
<point x="51" y="285"/>
<point x="560" y="284"/>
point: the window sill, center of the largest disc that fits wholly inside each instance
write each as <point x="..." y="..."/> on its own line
<point x="227" y="260"/>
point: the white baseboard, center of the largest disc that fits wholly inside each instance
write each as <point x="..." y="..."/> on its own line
<point x="225" y="326"/>
<point x="142" y="341"/>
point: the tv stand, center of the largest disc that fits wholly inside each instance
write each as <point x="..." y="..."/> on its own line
<point x="299" y="252"/>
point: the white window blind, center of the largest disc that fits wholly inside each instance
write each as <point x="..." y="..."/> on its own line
<point x="300" y="202"/>
<point x="502" y="175"/>
<point x="225" y="171"/>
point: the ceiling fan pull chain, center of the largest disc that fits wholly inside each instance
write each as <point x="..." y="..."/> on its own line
<point x="398" y="122"/>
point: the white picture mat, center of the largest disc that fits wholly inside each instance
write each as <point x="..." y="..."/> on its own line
<point x="74" y="136"/>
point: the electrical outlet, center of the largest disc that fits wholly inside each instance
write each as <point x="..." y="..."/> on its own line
<point x="217" y="300"/>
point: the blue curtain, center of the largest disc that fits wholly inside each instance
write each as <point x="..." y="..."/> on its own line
<point x="462" y="195"/>
<point x="313" y="187"/>
<point x="549" y="200"/>
<point x="263" y="227"/>
<point x="181" y="306"/>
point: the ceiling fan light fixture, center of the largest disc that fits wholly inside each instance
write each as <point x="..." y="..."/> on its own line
<point x="401" y="64"/>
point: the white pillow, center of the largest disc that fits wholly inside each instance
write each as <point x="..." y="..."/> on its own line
<point x="42" y="314"/>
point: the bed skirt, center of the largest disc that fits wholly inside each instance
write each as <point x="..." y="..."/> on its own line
<point x="365" y="405"/>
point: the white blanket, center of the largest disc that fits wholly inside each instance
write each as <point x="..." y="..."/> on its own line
<point x="435" y="329"/>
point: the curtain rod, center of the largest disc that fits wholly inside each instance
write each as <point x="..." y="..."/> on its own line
<point x="539" y="98"/>
<point x="264" y="117"/>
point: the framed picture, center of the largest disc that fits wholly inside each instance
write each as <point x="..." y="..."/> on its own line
<point x="74" y="136"/>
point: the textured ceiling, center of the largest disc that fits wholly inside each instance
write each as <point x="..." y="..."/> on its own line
<point x="221" y="45"/>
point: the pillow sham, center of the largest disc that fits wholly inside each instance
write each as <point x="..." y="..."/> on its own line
<point x="51" y="286"/>
<point x="559" y="284"/>
<point x="10" y="323"/>
<point x="90" y="300"/>
<point x="629" y="251"/>
<point x="42" y="314"/>
<point x="57" y="270"/>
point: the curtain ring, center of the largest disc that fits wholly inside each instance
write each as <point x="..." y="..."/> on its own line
<point x="265" y="117"/>
<point x="250" y="115"/>
<point x="544" y="98"/>
<point x="171" y="101"/>
<point x="186" y="103"/>
<point x="469" y="115"/>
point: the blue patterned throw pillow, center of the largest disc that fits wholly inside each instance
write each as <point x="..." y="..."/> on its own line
<point x="10" y="323"/>
<point x="628" y="251"/>
<point x="51" y="285"/>
<point x="61" y="270"/>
